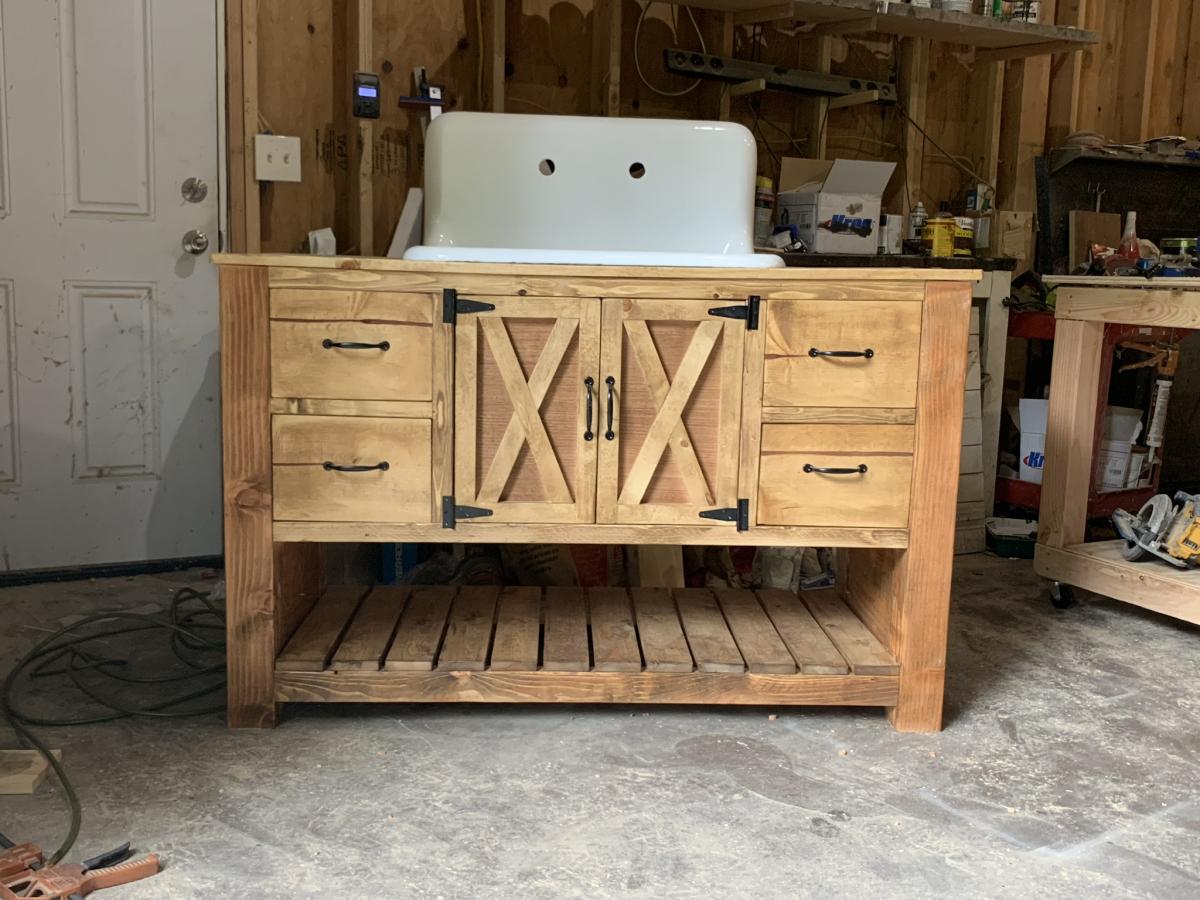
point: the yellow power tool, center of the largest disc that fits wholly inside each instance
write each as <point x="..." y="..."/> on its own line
<point x="1164" y="528"/>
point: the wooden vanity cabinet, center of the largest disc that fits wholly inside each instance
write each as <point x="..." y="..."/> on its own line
<point x="380" y="400"/>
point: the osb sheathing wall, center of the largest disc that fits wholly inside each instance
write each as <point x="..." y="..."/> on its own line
<point x="291" y="71"/>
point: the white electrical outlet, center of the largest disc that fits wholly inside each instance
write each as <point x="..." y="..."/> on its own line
<point x="276" y="158"/>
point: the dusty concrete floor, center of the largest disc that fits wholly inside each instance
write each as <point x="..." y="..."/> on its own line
<point x="1068" y="768"/>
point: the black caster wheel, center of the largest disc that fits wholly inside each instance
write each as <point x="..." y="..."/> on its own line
<point x="1062" y="596"/>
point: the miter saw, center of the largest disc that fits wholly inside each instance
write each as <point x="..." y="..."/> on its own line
<point x="1166" y="528"/>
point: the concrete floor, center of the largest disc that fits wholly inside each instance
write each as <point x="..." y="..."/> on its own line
<point x="1068" y="768"/>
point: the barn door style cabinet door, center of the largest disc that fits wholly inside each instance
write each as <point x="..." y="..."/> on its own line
<point x="671" y="373"/>
<point x="585" y="411"/>
<point x="525" y="408"/>
<point x="394" y="401"/>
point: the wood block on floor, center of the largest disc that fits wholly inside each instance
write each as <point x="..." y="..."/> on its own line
<point x="23" y="771"/>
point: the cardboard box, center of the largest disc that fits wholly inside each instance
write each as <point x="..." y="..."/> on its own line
<point x="835" y="203"/>
<point x="1031" y="419"/>
<point x="1138" y="461"/>
<point x="1122" y="425"/>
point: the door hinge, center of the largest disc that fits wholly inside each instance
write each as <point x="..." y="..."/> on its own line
<point x="749" y="312"/>
<point x="453" y="305"/>
<point x="452" y="513"/>
<point x="739" y="514"/>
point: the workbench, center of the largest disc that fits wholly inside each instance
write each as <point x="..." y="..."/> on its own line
<point x="1084" y="305"/>
<point x="385" y="400"/>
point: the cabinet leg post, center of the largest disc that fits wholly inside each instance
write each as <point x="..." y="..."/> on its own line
<point x="250" y="571"/>
<point x="922" y="576"/>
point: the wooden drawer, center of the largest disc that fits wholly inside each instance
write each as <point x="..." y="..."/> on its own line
<point x="875" y="498"/>
<point x="307" y="326"/>
<point x="794" y="375"/>
<point x="305" y="490"/>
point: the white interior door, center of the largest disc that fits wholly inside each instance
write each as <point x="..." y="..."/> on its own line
<point x="109" y="418"/>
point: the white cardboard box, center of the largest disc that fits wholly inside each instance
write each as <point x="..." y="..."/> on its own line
<point x="1122" y="425"/>
<point x="834" y="203"/>
<point x="1031" y="419"/>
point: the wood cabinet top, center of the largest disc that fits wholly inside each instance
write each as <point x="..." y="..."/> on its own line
<point x="786" y="275"/>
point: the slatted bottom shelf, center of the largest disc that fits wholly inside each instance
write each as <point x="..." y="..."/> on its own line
<point x="529" y="644"/>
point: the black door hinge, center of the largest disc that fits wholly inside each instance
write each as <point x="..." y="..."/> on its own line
<point x="453" y="305"/>
<point x="452" y="513"/>
<point x="739" y="514"/>
<point x="749" y="312"/>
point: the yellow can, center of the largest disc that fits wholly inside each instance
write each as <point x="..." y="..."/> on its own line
<point x="937" y="237"/>
<point x="964" y="236"/>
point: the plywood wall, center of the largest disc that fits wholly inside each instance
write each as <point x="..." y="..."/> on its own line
<point x="1123" y="97"/>
<point x="1142" y="79"/>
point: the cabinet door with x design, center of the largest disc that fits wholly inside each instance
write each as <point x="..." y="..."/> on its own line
<point x="526" y="410"/>
<point x="671" y="386"/>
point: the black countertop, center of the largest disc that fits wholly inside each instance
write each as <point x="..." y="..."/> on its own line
<point x="901" y="261"/>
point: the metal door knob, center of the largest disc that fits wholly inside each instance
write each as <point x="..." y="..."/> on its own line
<point x="194" y="190"/>
<point x="195" y="242"/>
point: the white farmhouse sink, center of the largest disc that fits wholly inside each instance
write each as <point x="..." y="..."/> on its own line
<point x="589" y="190"/>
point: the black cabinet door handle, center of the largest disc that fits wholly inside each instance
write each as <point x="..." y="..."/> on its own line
<point x="842" y="354"/>
<point x="860" y="469"/>
<point x="354" y="345"/>
<point x="334" y="467"/>
<point x="610" y="434"/>
<point x="588" y="384"/>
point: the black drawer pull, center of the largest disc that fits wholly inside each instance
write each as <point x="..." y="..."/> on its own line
<point x="860" y="469"/>
<point x="354" y="345"/>
<point x="588" y="384"/>
<point x="842" y="354"/>
<point x="610" y="434"/>
<point x="333" y="467"/>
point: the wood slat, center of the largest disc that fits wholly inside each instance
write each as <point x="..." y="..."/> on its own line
<point x="713" y="647"/>
<point x="469" y="629"/>
<point x="565" y="638"/>
<point x="313" y="643"/>
<point x="419" y="634"/>
<point x="518" y="626"/>
<point x="586" y="687"/>
<point x="664" y="647"/>
<point x="854" y="641"/>
<point x="614" y="636"/>
<point x="367" y="639"/>
<point x="759" y="642"/>
<point x="810" y="647"/>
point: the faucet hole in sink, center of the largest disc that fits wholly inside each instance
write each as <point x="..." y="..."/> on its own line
<point x="546" y="167"/>
<point x="637" y="170"/>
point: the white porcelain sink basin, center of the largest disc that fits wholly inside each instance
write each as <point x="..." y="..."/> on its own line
<point x="589" y="190"/>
